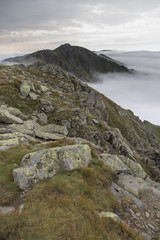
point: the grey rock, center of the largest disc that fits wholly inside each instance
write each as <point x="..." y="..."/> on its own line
<point x="28" y="127"/>
<point x="20" y="208"/>
<point x="135" y="168"/>
<point x="151" y="226"/>
<point x="6" y="117"/>
<point x="5" y="130"/>
<point x="45" y="101"/>
<point x="147" y="214"/>
<point x="25" y="88"/>
<point x="111" y="215"/>
<point x="47" y="135"/>
<point x="115" y="163"/>
<point x="133" y="214"/>
<point x="46" y="163"/>
<point x="51" y="132"/>
<point x="53" y="128"/>
<point x="146" y="236"/>
<point x="131" y="183"/>
<point x="44" y="88"/>
<point x="122" y="164"/>
<point x="33" y="96"/>
<point x="48" y="108"/>
<point x="158" y="214"/>
<point x="5" y="144"/>
<point x="6" y="210"/>
<point x="135" y="184"/>
<point x="120" y="192"/>
<point x="16" y="112"/>
<point x="42" y="117"/>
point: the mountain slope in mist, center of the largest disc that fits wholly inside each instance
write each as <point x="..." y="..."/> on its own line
<point x="77" y="60"/>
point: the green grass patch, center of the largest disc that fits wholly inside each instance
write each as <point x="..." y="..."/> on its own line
<point x="10" y="94"/>
<point x="65" y="208"/>
<point x="8" y="161"/>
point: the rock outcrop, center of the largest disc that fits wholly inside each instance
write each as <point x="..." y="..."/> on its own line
<point x="17" y="129"/>
<point x="47" y="163"/>
<point x="136" y="184"/>
<point x="122" y="164"/>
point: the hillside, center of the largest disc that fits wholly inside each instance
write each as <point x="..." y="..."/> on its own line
<point x="80" y="61"/>
<point x="73" y="164"/>
<point x="154" y="128"/>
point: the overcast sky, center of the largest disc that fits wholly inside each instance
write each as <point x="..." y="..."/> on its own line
<point x="26" y="26"/>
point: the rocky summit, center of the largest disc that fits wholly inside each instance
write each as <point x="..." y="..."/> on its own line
<point x="79" y="61"/>
<point x="73" y="164"/>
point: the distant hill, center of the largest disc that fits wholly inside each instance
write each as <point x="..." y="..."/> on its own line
<point x="80" y="61"/>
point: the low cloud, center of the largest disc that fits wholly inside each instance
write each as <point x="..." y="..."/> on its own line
<point x="139" y="91"/>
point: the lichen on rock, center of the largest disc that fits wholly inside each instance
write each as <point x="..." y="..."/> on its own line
<point x="46" y="163"/>
<point x="115" y="163"/>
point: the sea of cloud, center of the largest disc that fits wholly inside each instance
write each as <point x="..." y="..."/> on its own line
<point x="139" y="91"/>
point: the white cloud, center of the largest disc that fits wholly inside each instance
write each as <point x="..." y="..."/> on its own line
<point x="139" y="91"/>
<point x="29" y="25"/>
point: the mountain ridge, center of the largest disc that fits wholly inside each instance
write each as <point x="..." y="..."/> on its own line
<point x="73" y="164"/>
<point x="77" y="60"/>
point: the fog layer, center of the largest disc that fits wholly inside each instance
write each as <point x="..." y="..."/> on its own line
<point x="140" y="91"/>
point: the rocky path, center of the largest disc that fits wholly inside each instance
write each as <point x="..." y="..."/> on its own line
<point x="144" y="219"/>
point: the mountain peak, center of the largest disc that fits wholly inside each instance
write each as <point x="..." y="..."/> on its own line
<point x="79" y="61"/>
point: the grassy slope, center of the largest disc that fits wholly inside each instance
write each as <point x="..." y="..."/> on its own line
<point x="8" y="161"/>
<point x="65" y="207"/>
<point x="154" y="128"/>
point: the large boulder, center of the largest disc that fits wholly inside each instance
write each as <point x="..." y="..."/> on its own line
<point x="46" y="163"/>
